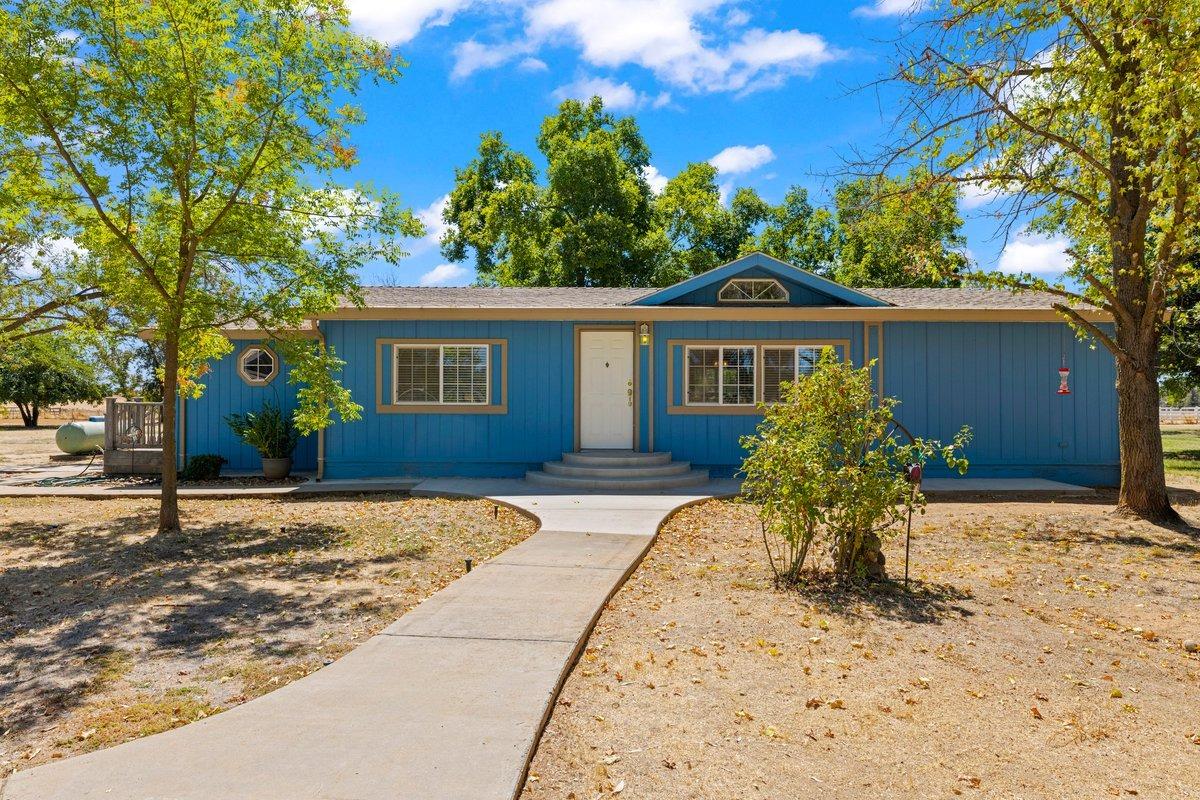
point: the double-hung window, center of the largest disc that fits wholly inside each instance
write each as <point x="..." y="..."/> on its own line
<point x="722" y="375"/>
<point x="449" y="374"/>
<point x="782" y="364"/>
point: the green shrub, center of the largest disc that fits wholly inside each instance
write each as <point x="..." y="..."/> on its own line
<point x="202" y="468"/>
<point x="268" y="431"/>
<point x="828" y="472"/>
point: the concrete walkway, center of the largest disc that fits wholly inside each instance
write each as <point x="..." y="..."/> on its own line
<point x="447" y="703"/>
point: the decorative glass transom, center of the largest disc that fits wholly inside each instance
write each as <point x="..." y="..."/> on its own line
<point x="257" y="365"/>
<point x="451" y="374"/>
<point x="753" y="290"/>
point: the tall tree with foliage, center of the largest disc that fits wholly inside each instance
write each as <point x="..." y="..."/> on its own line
<point x="1084" y="115"/>
<point x="192" y="149"/>
<point x="1180" y="354"/>
<point x="794" y="231"/>
<point x="36" y="372"/>
<point x="584" y="225"/>
<point x="888" y="236"/>
<point x="39" y="288"/>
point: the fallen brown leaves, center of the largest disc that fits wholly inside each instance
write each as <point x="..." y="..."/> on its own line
<point x="998" y="676"/>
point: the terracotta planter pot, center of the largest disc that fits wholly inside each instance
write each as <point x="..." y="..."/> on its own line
<point x="275" y="469"/>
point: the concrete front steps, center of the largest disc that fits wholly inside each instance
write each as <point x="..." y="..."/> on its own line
<point x="623" y="470"/>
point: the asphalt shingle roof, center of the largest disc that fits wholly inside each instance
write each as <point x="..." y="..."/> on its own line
<point x="964" y="298"/>
<point x="604" y="297"/>
<point x="498" y="296"/>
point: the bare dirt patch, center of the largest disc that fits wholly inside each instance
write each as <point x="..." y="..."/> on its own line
<point x="109" y="631"/>
<point x="1039" y="655"/>
<point x="26" y="447"/>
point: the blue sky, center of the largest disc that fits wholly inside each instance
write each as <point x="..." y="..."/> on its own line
<point x="765" y="89"/>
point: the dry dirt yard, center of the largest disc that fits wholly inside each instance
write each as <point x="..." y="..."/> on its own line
<point x="27" y="447"/>
<point x="1039" y="656"/>
<point x="109" y="631"/>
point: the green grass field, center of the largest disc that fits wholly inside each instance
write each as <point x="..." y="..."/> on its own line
<point x="1181" y="448"/>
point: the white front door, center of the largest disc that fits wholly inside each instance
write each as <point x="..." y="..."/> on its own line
<point x="606" y="390"/>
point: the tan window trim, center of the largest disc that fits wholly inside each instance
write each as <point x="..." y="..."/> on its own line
<point x="241" y="358"/>
<point x="675" y="406"/>
<point x="444" y="408"/>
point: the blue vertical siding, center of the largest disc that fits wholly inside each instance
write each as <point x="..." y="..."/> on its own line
<point x="711" y="440"/>
<point x="538" y="426"/>
<point x="1001" y="379"/>
<point x="205" y="430"/>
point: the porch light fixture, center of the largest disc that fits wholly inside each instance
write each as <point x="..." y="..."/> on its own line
<point x="644" y="332"/>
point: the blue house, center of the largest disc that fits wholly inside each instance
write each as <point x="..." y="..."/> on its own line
<point x="654" y="387"/>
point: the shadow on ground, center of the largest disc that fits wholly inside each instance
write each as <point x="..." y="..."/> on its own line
<point x="114" y="583"/>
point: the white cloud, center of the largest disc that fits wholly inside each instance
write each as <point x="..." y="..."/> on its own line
<point x="1036" y="253"/>
<point x="532" y="64"/>
<point x="435" y="226"/>
<point x="616" y="96"/>
<point x="656" y="179"/>
<point x="56" y="251"/>
<point x="398" y="21"/>
<point x="741" y="159"/>
<point x="472" y="56"/>
<point x="737" y="18"/>
<point x="974" y="195"/>
<point x="447" y="275"/>
<point x="891" y="8"/>
<point x="693" y="45"/>
<point x="724" y="192"/>
<point x="668" y="38"/>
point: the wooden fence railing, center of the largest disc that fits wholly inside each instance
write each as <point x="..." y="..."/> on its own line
<point x="1188" y="415"/>
<point x="131" y="425"/>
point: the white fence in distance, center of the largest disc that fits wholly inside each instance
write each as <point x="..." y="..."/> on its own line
<point x="1188" y="415"/>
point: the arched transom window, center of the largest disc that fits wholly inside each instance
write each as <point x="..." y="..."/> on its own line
<point x="257" y="365"/>
<point x="753" y="290"/>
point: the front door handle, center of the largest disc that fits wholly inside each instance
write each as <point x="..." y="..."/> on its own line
<point x="629" y="391"/>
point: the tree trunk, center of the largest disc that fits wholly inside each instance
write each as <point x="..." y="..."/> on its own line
<point x="168" y="509"/>
<point x="29" y="414"/>
<point x="1143" y="478"/>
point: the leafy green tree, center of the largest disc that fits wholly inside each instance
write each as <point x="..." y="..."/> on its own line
<point x="1180" y="354"/>
<point x="692" y="232"/>
<point x="36" y="372"/>
<point x="898" y="233"/>
<point x="826" y="468"/>
<point x="796" y="231"/>
<point x="1085" y="116"/>
<point x="584" y="226"/>
<point x="192" y="150"/>
<point x="39" y="288"/>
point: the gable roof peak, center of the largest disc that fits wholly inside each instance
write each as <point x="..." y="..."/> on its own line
<point x="777" y="267"/>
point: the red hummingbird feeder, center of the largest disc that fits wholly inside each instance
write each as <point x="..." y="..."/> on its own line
<point x="1064" y="373"/>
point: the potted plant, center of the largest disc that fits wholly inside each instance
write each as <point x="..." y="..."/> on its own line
<point x="272" y="434"/>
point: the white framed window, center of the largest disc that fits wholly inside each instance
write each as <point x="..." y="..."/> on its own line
<point x="720" y="375"/>
<point x="444" y="374"/>
<point x="786" y="364"/>
<point x="258" y="365"/>
<point x="753" y="290"/>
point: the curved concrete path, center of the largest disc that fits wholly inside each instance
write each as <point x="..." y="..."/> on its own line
<point x="448" y="702"/>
